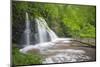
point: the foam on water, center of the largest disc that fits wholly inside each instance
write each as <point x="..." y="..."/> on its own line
<point x="40" y="46"/>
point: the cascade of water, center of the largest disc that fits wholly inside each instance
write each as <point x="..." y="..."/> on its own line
<point x="42" y="34"/>
<point x="43" y="29"/>
<point x="27" y="30"/>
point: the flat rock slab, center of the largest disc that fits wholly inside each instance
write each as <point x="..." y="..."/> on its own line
<point x="72" y="54"/>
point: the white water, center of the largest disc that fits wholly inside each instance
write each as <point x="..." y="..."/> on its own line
<point x="43" y="29"/>
<point x="43" y="32"/>
<point x="27" y="30"/>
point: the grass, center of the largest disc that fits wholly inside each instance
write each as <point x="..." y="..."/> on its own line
<point x="25" y="59"/>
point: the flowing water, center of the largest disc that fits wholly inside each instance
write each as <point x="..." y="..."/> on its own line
<point x="27" y="30"/>
<point x="44" y="31"/>
<point x="47" y="39"/>
<point x="43" y="38"/>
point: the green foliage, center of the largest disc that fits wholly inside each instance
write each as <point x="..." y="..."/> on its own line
<point x="25" y="59"/>
<point x="66" y="20"/>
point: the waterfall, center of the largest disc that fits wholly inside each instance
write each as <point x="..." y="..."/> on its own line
<point x="42" y="35"/>
<point x="27" y="37"/>
<point x="44" y="30"/>
<point x="27" y="30"/>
